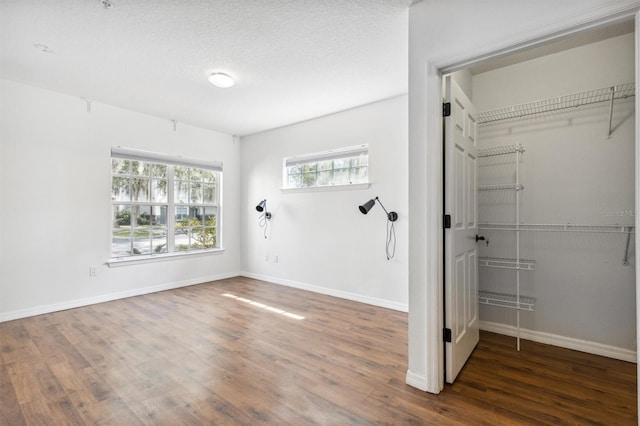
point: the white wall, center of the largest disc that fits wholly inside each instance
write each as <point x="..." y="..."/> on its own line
<point x="443" y="34"/>
<point x="55" y="191"/>
<point x="572" y="173"/>
<point x="323" y="243"/>
<point x="464" y="78"/>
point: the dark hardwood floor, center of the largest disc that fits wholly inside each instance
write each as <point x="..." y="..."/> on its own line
<point x="238" y="352"/>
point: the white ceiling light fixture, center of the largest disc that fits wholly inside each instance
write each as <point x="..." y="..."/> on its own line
<point x="221" y="80"/>
<point x="43" y="48"/>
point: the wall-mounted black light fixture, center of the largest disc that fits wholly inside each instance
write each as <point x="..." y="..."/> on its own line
<point x="262" y="207"/>
<point x="390" y="244"/>
<point x="264" y="217"/>
<point x="364" y="209"/>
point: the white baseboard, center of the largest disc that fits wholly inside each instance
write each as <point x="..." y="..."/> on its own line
<point x="77" y="303"/>
<point x="562" y="341"/>
<point x="416" y="380"/>
<point x="402" y="307"/>
<point x="420" y="382"/>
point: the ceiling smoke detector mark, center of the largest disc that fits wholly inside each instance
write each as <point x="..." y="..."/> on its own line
<point x="43" y="48"/>
<point x="106" y="4"/>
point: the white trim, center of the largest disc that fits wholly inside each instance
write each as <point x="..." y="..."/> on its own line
<point x="157" y="157"/>
<point x="396" y="306"/>
<point x="138" y="260"/>
<point x="435" y="240"/>
<point x="599" y="16"/>
<point x="637" y="189"/>
<point x="417" y="381"/>
<point x="425" y="242"/>
<point x="331" y="154"/>
<point x="77" y="303"/>
<point x="562" y="341"/>
<point x="327" y="188"/>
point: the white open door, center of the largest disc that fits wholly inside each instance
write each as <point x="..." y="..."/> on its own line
<point x="461" y="252"/>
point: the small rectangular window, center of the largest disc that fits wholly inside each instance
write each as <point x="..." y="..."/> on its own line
<point x="346" y="166"/>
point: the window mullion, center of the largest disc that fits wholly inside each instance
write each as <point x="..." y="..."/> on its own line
<point x="130" y="188"/>
<point x="171" y="219"/>
<point x="333" y="172"/>
<point x="351" y="171"/>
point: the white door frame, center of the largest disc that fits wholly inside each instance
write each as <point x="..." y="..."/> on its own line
<point x="426" y="366"/>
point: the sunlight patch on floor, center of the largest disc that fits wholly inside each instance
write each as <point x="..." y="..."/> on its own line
<point x="263" y="306"/>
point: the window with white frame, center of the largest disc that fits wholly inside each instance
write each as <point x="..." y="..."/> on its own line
<point x="346" y="166"/>
<point x="162" y="204"/>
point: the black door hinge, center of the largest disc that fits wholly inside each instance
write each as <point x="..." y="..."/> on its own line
<point x="447" y="221"/>
<point x="446" y="109"/>
<point x="446" y="335"/>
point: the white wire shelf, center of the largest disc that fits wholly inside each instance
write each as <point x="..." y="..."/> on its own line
<point x="500" y="150"/>
<point x="505" y="263"/>
<point x="501" y="187"/>
<point x="567" y="227"/>
<point x="505" y="300"/>
<point x="606" y="94"/>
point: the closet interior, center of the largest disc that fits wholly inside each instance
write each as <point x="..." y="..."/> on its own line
<point x="556" y="195"/>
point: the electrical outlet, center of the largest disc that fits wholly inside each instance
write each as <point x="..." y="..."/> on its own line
<point x="93" y="271"/>
<point x="266" y="257"/>
<point x="275" y="258"/>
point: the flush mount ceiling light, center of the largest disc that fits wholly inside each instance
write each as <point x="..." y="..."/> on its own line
<point x="221" y="80"/>
<point x="43" y="48"/>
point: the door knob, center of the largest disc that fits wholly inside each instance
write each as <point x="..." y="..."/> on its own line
<point x="481" y="238"/>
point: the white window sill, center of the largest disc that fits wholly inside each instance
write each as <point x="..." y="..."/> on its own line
<point x="137" y="260"/>
<point x="351" y="187"/>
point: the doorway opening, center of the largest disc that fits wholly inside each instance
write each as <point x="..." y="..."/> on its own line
<point x="555" y="217"/>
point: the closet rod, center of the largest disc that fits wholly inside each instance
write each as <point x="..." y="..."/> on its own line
<point x="606" y="94"/>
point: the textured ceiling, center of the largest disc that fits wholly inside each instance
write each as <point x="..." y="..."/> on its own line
<point x="292" y="59"/>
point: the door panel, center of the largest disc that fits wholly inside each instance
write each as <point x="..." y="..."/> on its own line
<point x="471" y="191"/>
<point x="472" y="129"/>
<point x="459" y="188"/>
<point x="460" y="280"/>
<point x="461" y="260"/>
<point x="472" y="313"/>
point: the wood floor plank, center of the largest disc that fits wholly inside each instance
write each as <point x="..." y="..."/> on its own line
<point x="24" y="380"/>
<point x="246" y="352"/>
<point x="10" y="412"/>
<point x="37" y="412"/>
<point x="16" y="344"/>
<point x="108" y="412"/>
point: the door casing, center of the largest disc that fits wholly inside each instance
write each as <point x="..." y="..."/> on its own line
<point x="429" y="343"/>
